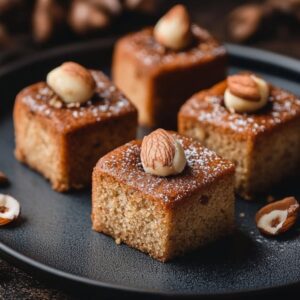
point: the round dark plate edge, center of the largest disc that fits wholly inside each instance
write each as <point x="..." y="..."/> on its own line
<point x="237" y="53"/>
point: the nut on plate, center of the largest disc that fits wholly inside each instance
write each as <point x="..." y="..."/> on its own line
<point x="162" y="154"/>
<point x="277" y="217"/>
<point x="9" y="209"/>
<point x="173" y="30"/>
<point x="72" y="83"/>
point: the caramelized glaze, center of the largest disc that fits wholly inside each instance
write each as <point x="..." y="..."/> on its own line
<point x="204" y="167"/>
<point x="148" y="51"/>
<point x="207" y="108"/>
<point x="107" y="103"/>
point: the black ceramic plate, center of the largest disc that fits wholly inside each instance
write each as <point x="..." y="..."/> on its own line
<point x="54" y="235"/>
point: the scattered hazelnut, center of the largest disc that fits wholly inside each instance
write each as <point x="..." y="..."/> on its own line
<point x="162" y="154"/>
<point x="84" y="17"/>
<point x="145" y="6"/>
<point x="3" y="179"/>
<point x="9" y="209"/>
<point x="47" y="15"/>
<point x="277" y="217"/>
<point x="173" y="30"/>
<point x="111" y="7"/>
<point x="244" y="21"/>
<point x="71" y="82"/>
<point x="8" y="5"/>
<point x="246" y="93"/>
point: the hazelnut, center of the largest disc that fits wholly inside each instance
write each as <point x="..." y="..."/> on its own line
<point x="9" y="209"/>
<point x="72" y="83"/>
<point x="162" y="154"/>
<point x="246" y="93"/>
<point x="85" y="16"/>
<point x="47" y="15"/>
<point x="173" y="30"/>
<point x="244" y="21"/>
<point x="277" y="217"/>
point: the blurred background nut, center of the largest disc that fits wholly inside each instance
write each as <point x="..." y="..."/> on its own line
<point x="85" y="16"/>
<point x="244" y="21"/>
<point x="263" y="20"/>
<point x="47" y="16"/>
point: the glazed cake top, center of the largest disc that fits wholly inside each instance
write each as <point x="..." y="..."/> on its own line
<point x="147" y="50"/>
<point x="203" y="168"/>
<point x="107" y="103"/>
<point x="207" y="107"/>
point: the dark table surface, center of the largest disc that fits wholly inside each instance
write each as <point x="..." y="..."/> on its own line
<point x="17" y="284"/>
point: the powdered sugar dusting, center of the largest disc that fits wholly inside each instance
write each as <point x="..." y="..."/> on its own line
<point x="203" y="167"/>
<point x="150" y="52"/>
<point x="209" y="109"/>
<point x="108" y="102"/>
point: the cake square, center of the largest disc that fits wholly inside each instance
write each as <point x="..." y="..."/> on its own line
<point x="264" y="145"/>
<point x="64" y="143"/>
<point x="158" y="80"/>
<point x="163" y="216"/>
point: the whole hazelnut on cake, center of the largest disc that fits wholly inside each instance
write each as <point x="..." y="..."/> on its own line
<point x="72" y="83"/>
<point x="173" y="30"/>
<point x="246" y="93"/>
<point x="162" y="154"/>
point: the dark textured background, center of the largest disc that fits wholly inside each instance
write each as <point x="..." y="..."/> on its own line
<point x="16" y="284"/>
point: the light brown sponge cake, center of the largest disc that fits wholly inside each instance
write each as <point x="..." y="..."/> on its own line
<point x="64" y="143"/>
<point x="163" y="216"/>
<point x="264" y="145"/>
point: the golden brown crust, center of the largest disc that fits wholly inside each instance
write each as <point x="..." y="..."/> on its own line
<point x="207" y="108"/>
<point x="203" y="168"/>
<point x="155" y="57"/>
<point x="108" y="103"/>
<point x="157" y="74"/>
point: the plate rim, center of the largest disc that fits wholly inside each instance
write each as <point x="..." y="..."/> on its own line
<point x="236" y="52"/>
